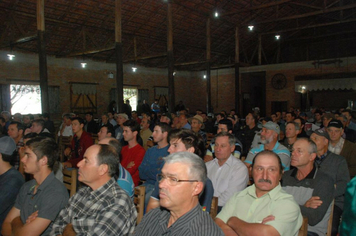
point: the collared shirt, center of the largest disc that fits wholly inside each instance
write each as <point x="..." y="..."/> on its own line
<point x="194" y="222"/>
<point x="105" y="211"/>
<point x="125" y="181"/>
<point x="187" y="126"/>
<point x="279" y="149"/>
<point x="67" y="131"/>
<point x="227" y="179"/>
<point x="51" y="196"/>
<point x="316" y="183"/>
<point x="338" y="147"/>
<point x="248" y="207"/>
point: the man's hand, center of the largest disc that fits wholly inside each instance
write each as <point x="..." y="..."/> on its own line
<point x="69" y="231"/>
<point x="131" y="164"/>
<point x="32" y="217"/>
<point x="313" y="202"/>
<point x="267" y="219"/>
<point x="66" y="165"/>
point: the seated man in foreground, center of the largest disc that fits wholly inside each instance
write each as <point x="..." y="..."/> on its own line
<point x="182" y="180"/>
<point x="41" y="199"/>
<point x="185" y="140"/>
<point x="102" y="207"/>
<point x="312" y="189"/>
<point x="263" y="208"/>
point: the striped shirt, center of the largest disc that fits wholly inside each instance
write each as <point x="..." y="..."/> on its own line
<point x="279" y="149"/>
<point x="105" y="211"/>
<point x="195" y="222"/>
<point x="125" y="181"/>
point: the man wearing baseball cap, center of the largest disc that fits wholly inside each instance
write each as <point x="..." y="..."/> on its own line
<point x="341" y="146"/>
<point x="269" y="140"/>
<point x="197" y="124"/>
<point x="336" y="167"/>
<point x="10" y="179"/>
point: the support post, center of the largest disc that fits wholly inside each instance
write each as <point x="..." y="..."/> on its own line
<point x="237" y="71"/>
<point x="208" y="57"/>
<point x="170" y="58"/>
<point x="259" y="49"/>
<point x="42" y="56"/>
<point x="118" y="54"/>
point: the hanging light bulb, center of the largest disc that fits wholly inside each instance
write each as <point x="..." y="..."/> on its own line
<point x="277" y="36"/>
<point x="11" y="56"/>
<point x="250" y="27"/>
<point x="204" y="76"/>
<point x="216" y="14"/>
<point x="83" y="64"/>
<point x="134" y="69"/>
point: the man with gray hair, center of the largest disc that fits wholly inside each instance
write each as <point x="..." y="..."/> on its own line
<point x="311" y="188"/>
<point x="180" y="183"/>
<point x="269" y="140"/>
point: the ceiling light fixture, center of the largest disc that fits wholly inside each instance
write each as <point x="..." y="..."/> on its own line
<point x="134" y="69"/>
<point x="83" y="64"/>
<point x="11" y="56"/>
<point x="250" y="27"/>
<point x="174" y="73"/>
<point x="216" y="14"/>
<point x="204" y="76"/>
<point x="277" y="36"/>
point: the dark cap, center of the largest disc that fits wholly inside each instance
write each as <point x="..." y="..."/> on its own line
<point x="335" y="123"/>
<point x="321" y="132"/>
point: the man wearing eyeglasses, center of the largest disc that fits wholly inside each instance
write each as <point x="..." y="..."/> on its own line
<point x="180" y="183"/>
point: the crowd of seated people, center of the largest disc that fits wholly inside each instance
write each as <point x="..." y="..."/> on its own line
<point x="183" y="160"/>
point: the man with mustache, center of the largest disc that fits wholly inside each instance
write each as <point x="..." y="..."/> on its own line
<point x="269" y="140"/>
<point x="263" y="208"/>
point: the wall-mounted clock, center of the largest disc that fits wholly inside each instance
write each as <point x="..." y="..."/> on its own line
<point x="279" y="81"/>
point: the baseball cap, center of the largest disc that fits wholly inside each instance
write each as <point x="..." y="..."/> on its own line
<point x="321" y="132"/>
<point x="335" y="123"/>
<point x="272" y="126"/>
<point x="7" y="145"/>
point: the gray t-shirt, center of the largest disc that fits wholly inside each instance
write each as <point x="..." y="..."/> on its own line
<point x="50" y="198"/>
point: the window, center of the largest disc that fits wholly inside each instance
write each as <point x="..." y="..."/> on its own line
<point x="130" y="93"/>
<point x="25" y="99"/>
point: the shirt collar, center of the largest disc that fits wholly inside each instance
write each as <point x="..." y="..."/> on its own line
<point x="271" y="194"/>
<point x="100" y="191"/>
<point x="44" y="184"/>
<point x="227" y="162"/>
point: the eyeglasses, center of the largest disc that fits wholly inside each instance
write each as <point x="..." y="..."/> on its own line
<point x="173" y="181"/>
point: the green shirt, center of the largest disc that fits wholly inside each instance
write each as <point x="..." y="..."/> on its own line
<point x="246" y="206"/>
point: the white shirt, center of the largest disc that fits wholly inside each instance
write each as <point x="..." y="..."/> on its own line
<point x="66" y="132"/>
<point x="227" y="179"/>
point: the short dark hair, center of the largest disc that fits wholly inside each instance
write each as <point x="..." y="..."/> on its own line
<point x="164" y="127"/>
<point x="190" y="139"/>
<point x="44" y="146"/>
<point x="40" y="122"/>
<point x="45" y="115"/>
<point x="226" y="122"/>
<point x="302" y="121"/>
<point x="8" y="158"/>
<point x="79" y="119"/>
<point x="133" y="125"/>
<point x="2" y="119"/>
<point x="110" y="129"/>
<point x="19" y="125"/>
<point x="271" y="153"/>
<point x="291" y="113"/>
<point x="116" y="144"/>
<point x="108" y="155"/>
<point x="232" y="139"/>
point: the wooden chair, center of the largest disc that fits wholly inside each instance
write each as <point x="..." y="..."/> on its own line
<point x="330" y="221"/>
<point x="70" y="180"/>
<point x="214" y="207"/>
<point x="64" y="142"/>
<point x="303" y="231"/>
<point x="139" y="201"/>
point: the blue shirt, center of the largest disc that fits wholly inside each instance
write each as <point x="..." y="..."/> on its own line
<point x="125" y="181"/>
<point x="279" y="149"/>
<point x="152" y="164"/>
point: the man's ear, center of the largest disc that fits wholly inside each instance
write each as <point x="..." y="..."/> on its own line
<point x="43" y="161"/>
<point x="198" y="188"/>
<point x="103" y="169"/>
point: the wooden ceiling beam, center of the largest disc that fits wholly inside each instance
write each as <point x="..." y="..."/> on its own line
<point x="261" y="6"/>
<point x="306" y="5"/>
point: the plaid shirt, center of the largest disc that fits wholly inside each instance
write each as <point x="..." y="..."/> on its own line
<point x="105" y="211"/>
